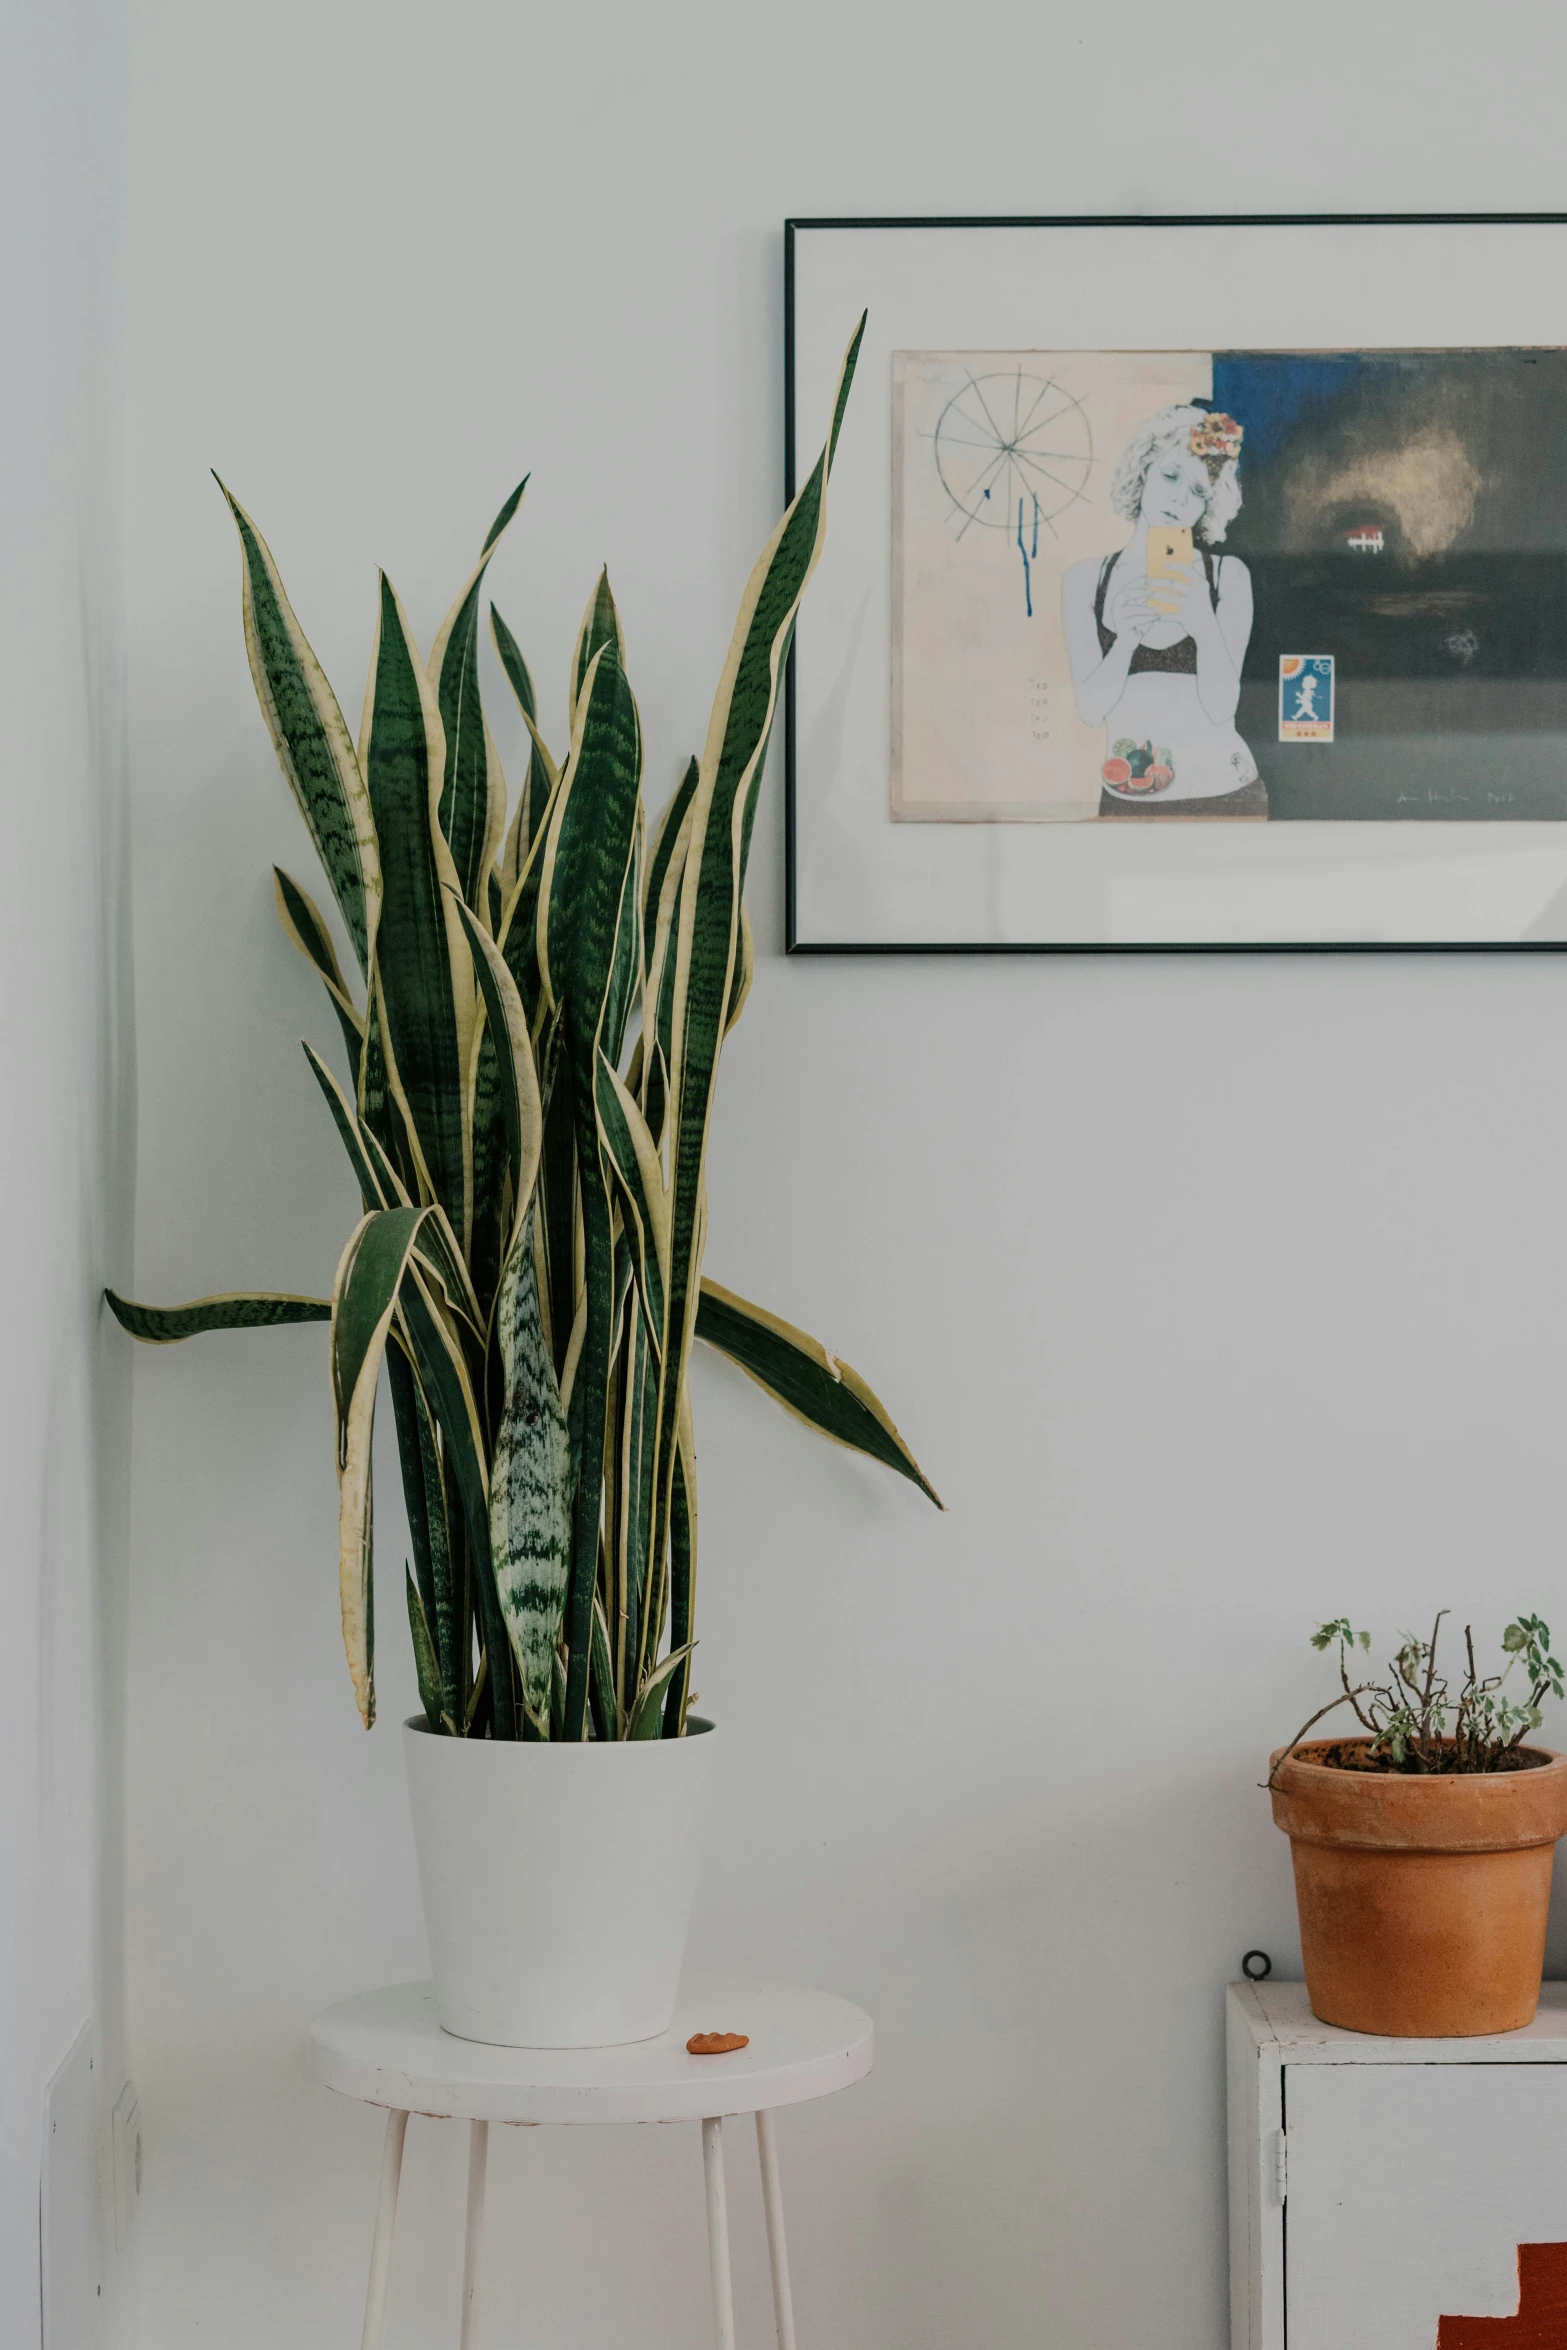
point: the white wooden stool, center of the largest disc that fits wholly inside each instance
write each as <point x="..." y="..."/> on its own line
<point x="387" y="2048"/>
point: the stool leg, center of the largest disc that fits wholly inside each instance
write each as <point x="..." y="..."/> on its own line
<point x="777" y="2249"/>
<point x="385" y="2214"/>
<point x="473" y="2238"/>
<point x="718" y="2235"/>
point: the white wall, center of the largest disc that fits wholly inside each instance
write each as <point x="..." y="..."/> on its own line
<point x="1217" y="1296"/>
<point x="65" y="1082"/>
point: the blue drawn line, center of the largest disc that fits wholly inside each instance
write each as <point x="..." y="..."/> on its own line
<point x="1029" y="554"/>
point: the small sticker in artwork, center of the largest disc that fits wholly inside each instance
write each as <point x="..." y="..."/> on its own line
<point x="1305" y="697"/>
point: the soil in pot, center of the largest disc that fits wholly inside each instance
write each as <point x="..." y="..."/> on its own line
<point x="1422" y="1897"/>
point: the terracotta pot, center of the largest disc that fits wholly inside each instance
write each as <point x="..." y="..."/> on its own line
<point x="1422" y="1900"/>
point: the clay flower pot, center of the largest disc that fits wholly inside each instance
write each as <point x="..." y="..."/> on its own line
<point x="1422" y="1899"/>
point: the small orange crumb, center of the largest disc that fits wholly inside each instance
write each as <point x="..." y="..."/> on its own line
<point x="716" y="2043"/>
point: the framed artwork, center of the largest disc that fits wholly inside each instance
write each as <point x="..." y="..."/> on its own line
<point x="1188" y="584"/>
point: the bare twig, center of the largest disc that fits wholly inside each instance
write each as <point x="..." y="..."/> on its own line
<point x="1354" y="1696"/>
<point x="1425" y="1703"/>
<point x="1332" y="1703"/>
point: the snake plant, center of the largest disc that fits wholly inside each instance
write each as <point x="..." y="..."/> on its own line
<point x="533" y="1047"/>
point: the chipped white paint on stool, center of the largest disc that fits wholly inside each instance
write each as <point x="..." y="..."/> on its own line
<point x="387" y="2048"/>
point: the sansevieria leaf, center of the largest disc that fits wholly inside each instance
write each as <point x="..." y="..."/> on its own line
<point x="444" y="1376"/>
<point x="589" y="866"/>
<point x="542" y="772"/>
<point x="472" y="808"/>
<point x="516" y="1078"/>
<point x="800" y="1373"/>
<point x="442" y="1567"/>
<point x="311" y="738"/>
<point x="378" y="1186"/>
<point x="600" y="627"/>
<point x="364" y="1299"/>
<point x="633" y="1155"/>
<point x="647" y="1718"/>
<point x="301" y="920"/>
<point x="423" y="973"/>
<point x="427" y="1666"/>
<point x="708" y="944"/>
<point x="241" y="1310"/>
<point x="530" y="1484"/>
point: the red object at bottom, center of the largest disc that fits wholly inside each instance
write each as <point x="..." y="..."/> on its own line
<point x="1541" y="2321"/>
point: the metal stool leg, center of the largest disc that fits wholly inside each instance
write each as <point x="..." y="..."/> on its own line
<point x="473" y="2238"/>
<point x="777" y="2249"/>
<point x="385" y="2215"/>
<point x="718" y="2235"/>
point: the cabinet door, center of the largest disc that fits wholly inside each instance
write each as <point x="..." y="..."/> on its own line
<point x="1410" y="2189"/>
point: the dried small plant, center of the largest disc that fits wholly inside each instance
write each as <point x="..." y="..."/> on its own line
<point x="1415" y="1722"/>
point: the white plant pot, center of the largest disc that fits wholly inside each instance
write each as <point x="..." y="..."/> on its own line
<point x="558" y="1881"/>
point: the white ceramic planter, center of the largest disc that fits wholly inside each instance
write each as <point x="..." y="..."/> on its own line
<point x="558" y="1881"/>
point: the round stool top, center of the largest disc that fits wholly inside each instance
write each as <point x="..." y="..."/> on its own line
<point x="387" y="2048"/>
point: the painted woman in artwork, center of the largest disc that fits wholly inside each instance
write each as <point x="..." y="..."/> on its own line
<point x="1156" y="632"/>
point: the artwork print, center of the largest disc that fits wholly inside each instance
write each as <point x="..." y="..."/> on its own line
<point x="1250" y="587"/>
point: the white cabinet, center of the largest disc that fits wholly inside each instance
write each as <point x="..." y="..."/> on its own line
<point x="1380" y="2186"/>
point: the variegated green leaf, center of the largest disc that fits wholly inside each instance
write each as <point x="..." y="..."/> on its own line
<point x="448" y="1385"/>
<point x="302" y="921"/>
<point x="650" y="1068"/>
<point x="542" y="773"/>
<point x="633" y="1157"/>
<point x="239" y="1310"/>
<point x="588" y="869"/>
<point x="530" y="1484"/>
<point x="369" y="1173"/>
<point x="472" y="807"/>
<point x="427" y="1667"/>
<point x="647" y="1719"/>
<point x="380" y="1187"/>
<point x="626" y="976"/>
<point x="517" y="1079"/>
<point x="311" y="738"/>
<point x="708" y="950"/>
<point x="441" y="1260"/>
<point x="801" y="1374"/>
<point x="745" y="972"/>
<point x="442" y="1581"/>
<point x="557" y="1197"/>
<point x="682" y="1573"/>
<point x="492" y="1202"/>
<point x="394" y="1167"/>
<point x="668" y="849"/>
<point x="383" y="1119"/>
<point x="364" y="1299"/>
<point x="423" y="971"/>
<point x="600" y="627"/>
<point x="609" y="1719"/>
<point x="631" y="1527"/>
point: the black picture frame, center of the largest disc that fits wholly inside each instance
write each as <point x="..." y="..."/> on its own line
<point x="794" y="226"/>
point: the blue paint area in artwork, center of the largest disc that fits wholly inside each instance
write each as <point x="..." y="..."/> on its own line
<point x="1267" y="391"/>
<point x="1029" y="554"/>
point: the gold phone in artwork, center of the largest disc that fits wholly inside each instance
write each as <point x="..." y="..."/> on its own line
<point x="1168" y="550"/>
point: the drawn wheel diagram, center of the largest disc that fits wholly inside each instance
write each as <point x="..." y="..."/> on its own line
<point x="1013" y="451"/>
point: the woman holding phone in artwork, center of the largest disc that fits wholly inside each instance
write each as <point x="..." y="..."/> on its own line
<point x="1156" y="633"/>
